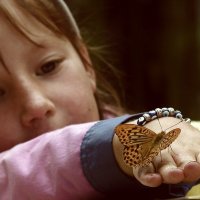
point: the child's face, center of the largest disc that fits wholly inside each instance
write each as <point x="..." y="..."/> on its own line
<point x="42" y="88"/>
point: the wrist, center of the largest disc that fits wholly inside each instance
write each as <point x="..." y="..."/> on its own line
<point x="157" y="126"/>
<point x="118" y="147"/>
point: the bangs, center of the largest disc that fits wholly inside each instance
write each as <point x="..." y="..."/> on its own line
<point x="44" y="12"/>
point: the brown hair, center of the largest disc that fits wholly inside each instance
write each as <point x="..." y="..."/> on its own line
<point x="50" y="15"/>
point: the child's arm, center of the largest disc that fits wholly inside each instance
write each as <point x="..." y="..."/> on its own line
<point x="77" y="162"/>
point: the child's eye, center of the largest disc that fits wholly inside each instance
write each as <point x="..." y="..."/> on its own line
<point x="48" y="67"/>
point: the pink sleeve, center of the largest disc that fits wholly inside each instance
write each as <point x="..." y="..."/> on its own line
<point x="47" y="167"/>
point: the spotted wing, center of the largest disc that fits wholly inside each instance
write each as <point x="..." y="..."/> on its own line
<point x="169" y="137"/>
<point x="133" y="156"/>
<point x="131" y="134"/>
<point x="149" y="158"/>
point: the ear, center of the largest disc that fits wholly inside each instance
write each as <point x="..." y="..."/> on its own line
<point x="88" y="65"/>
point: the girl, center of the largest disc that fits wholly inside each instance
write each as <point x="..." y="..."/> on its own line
<point x="54" y="142"/>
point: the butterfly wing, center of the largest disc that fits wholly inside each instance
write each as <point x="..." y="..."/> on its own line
<point x="133" y="156"/>
<point x="149" y="158"/>
<point x="138" y="150"/>
<point x="169" y="137"/>
<point x="131" y="134"/>
<point x="166" y="140"/>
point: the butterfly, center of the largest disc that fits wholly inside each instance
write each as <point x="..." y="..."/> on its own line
<point x="142" y="145"/>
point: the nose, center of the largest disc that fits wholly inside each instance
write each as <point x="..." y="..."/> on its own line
<point x="36" y="108"/>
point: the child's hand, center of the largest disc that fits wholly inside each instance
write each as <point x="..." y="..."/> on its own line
<point x="178" y="163"/>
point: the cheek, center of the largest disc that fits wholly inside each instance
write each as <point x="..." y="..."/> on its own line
<point x="72" y="92"/>
<point x="77" y="103"/>
<point x="10" y="132"/>
<point x="85" y="105"/>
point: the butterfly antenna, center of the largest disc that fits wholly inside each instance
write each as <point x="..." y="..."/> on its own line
<point x="160" y="124"/>
<point x="174" y="125"/>
<point x="171" y="149"/>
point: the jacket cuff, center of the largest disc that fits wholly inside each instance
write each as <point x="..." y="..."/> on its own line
<point x="98" y="161"/>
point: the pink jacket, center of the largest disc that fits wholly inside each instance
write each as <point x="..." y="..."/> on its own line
<point x="46" y="167"/>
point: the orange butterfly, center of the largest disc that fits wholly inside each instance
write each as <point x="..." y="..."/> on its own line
<point x="142" y="145"/>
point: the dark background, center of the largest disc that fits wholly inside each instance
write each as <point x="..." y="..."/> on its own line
<point x="155" y="43"/>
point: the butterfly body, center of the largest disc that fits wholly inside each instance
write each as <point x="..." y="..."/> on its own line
<point x="142" y="145"/>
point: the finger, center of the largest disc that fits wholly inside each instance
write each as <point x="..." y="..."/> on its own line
<point x="171" y="174"/>
<point x="189" y="165"/>
<point x="191" y="171"/>
<point x="147" y="176"/>
<point x="168" y="169"/>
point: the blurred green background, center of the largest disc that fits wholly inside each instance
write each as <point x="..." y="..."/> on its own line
<point x="155" y="43"/>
